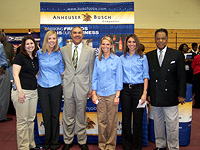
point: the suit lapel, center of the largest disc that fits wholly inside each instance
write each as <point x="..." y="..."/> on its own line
<point x="155" y="57"/>
<point x="82" y="56"/>
<point x="69" y="54"/>
<point x="166" y="59"/>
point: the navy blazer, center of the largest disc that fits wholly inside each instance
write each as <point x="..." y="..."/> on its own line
<point x="167" y="82"/>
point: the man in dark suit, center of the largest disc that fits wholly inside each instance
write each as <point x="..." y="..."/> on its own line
<point x="167" y="88"/>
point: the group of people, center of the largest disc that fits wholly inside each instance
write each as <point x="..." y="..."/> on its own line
<point x="7" y="55"/>
<point x="158" y="77"/>
<point x="4" y="80"/>
<point x="192" y="67"/>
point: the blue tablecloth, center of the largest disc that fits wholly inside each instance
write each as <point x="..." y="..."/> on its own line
<point x="90" y="109"/>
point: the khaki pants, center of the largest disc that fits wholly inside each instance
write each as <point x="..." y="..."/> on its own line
<point x="25" y="114"/>
<point x="74" y="115"/>
<point x="171" y="117"/>
<point x="107" y="115"/>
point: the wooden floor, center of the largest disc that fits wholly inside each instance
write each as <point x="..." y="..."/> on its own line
<point x="8" y="136"/>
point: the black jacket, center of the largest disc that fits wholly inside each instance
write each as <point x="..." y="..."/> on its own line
<point x="167" y="82"/>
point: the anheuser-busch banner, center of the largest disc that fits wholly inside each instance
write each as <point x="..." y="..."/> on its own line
<point x="97" y="20"/>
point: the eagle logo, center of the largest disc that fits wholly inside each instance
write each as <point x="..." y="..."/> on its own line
<point x="90" y="124"/>
<point x="86" y="17"/>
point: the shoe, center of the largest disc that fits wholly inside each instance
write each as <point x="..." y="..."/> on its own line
<point x="83" y="147"/>
<point x="67" y="146"/>
<point x="36" y="148"/>
<point x="160" y="148"/>
<point x="196" y="107"/>
<point x="54" y="148"/>
<point x="6" y="120"/>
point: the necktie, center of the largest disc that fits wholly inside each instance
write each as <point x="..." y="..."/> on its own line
<point x="160" y="59"/>
<point x="75" y="57"/>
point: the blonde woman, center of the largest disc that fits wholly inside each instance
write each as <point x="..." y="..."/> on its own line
<point x="106" y="86"/>
<point x="49" y="90"/>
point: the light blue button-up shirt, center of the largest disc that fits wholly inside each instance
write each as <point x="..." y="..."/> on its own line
<point x="50" y="68"/>
<point x="3" y="58"/>
<point x="135" y="68"/>
<point x="107" y="75"/>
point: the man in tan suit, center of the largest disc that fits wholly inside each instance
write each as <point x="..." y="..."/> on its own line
<point x="79" y="62"/>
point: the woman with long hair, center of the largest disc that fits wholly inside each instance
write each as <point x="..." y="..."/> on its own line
<point x="24" y="95"/>
<point x="106" y="86"/>
<point x="51" y="68"/>
<point x="135" y="83"/>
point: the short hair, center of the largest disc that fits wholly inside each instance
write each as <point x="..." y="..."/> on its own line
<point x="194" y="44"/>
<point x="137" y="50"/>
<point x="112" y="50"/>
<point x="142" y="47"/>
<point x="45" y="46"/>
<point x="76" y="27"/>
<point x="22" y="47"/>
<point x="1" y="35"/>
<point x="161" y="30"/>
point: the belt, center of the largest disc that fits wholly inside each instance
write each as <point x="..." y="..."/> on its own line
<point x="130" y="86"/>
<point x="4" y="67"/>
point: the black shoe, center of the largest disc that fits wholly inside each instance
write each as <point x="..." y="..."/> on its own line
<point x="36" y="148"/>
<point x="67" y="146"/>
<point x="195" y="107"/>
<point x="83" y="147"/>
<point x="6" y="120"/>
<point x="160" y="148"/>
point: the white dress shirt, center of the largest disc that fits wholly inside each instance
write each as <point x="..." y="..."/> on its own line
<point x="79" y="48"/>
<point x="163" y="52"/>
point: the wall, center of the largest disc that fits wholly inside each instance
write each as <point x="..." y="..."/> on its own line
<point x="149" y="14"/>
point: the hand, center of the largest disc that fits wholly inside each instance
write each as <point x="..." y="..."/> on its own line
<point x="181" y="100"/>
<point x="63" y="73"/>
<point x="94" y="98"/>
<point x="143" y="98"/>
<point x="116" y="101"/>
<point x="188" y="60"/>
<point x="2" y="71"/>
<point x="21" y="97"/>
<point x="148" y="99"/>
<point x="89" y="94"/>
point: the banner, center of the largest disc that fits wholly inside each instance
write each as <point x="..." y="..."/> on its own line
<point x="96" y="19"/>
<point x="16" y="38"/>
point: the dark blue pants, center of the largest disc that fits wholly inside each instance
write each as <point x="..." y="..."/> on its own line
<point x="131" y="140"/>
<point x="50" y="102"/>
